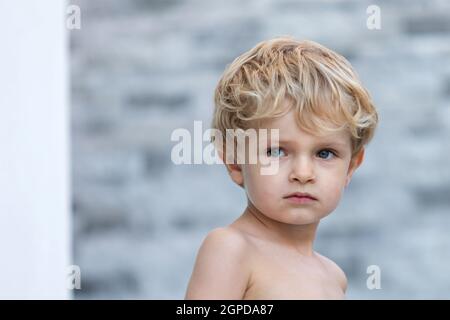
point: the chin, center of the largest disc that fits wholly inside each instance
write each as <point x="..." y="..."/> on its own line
<point x="297" y="218"/>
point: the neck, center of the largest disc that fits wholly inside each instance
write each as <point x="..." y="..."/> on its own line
<point x="298" y="237"/>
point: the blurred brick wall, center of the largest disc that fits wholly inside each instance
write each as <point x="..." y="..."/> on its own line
<point x="140" y="69"/>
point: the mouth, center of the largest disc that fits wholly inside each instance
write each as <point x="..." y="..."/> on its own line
<point x="300" y="197"/>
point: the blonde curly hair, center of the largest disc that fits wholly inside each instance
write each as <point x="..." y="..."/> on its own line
<point x="284" y="73"/>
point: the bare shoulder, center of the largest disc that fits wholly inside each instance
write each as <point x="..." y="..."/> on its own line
<point x="221" y="270"/>
<point x="335" y="270"/>
<point x="226" y="241"/>
<point x="228" y="237"/>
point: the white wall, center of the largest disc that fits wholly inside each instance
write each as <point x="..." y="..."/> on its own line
<point x="34" y="150"/>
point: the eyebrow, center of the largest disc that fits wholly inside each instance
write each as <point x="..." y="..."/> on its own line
<point x="321" y="143"/>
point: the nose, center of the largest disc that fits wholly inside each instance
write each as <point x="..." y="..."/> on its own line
<point x="302" y="170"/>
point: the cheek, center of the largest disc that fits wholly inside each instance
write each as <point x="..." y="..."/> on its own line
<point x="334" y="185"/>
<point x="261" y="188"/>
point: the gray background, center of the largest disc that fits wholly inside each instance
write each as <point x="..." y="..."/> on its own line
<point x="140" y="69"/>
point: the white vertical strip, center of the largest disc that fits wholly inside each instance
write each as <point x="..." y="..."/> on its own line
<point x="35" y="225"/>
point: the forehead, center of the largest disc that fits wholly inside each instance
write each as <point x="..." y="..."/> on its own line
<point x="289" y="131"/>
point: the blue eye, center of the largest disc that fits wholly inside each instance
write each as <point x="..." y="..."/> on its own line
<point x="274" y="152"/>
<point x="325" y="152"/>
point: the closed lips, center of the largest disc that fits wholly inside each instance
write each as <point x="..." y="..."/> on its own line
<point x="301" y="195"/>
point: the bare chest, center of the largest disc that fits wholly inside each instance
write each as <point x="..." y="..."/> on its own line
<point x="283" y="276"/>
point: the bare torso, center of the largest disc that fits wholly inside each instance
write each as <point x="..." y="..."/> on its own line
<point x="278" y="272"/>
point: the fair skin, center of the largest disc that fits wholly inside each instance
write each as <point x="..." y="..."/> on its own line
<point x="267" y="253"/>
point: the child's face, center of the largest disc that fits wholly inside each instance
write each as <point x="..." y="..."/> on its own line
<point x="306" y="164"/>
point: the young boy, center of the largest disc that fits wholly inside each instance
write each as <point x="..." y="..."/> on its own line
<point x="325" y="118"/>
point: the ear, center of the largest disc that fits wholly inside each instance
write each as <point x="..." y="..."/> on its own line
<point x="234" y="170"/>
<point x="355" y="162"/>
